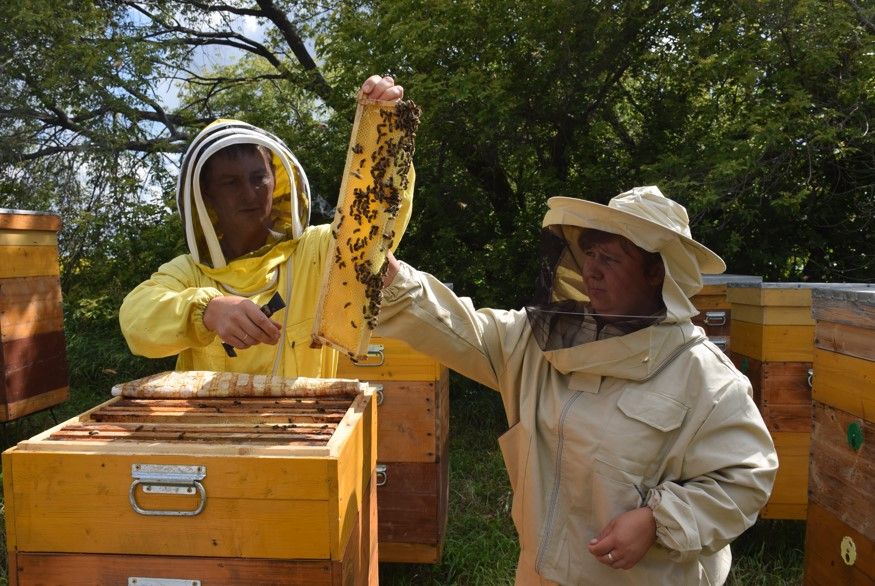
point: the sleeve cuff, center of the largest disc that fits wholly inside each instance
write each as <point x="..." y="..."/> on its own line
<point x="203" y="335"/>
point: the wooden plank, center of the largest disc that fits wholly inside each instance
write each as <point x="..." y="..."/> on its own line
<point x="410" y="553"/>
<point x="766" y="315"/>
<point x="408" y="502"/>
<point x="790" y="493"/>
<point x="824" y="565"/>
<point x="16" y="409"/>
<point x="845" y="382"/>
<point x="91" y="569"/>
<point x="845" y="339"/>
<point x="28" y="220"/>
<point x="43" y="375"/>
<point x="842" y="478"/>
<point x="843" y="311"/>
<point x="23" y="352"/>
<point x="772" y="343"/>
<point x="786" y="294"/>
<point x="399" y="362"/>
<point x="27" y="261"/>
<point x="30" y="306"/>
<point x="268" y="507"/>
<point x="28" y="238"/>
<point x="407" y="424"/>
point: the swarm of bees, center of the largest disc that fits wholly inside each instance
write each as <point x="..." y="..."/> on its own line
<point x="377" y="175"/>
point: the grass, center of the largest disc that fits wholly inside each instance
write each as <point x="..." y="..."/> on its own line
<point x="480" y="546"/>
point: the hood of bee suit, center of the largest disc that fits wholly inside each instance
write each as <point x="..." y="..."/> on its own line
<point x="651" y="221"/>
<point x="290" y="212"/>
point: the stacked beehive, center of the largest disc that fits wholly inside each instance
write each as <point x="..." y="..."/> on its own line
<point x="840" y="536"/>
<point x="33" y="355"/>
<point x="413" y="424"/>
<point x="218" y="489"/>
<point x="772" y="334"/>
<point x="715" y="311"/>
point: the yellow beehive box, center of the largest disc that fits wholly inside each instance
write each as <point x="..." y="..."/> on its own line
<point x="413" y="477"/>
<point x="715" y="311"/>
<point x="841" y="518"/>
<point x="33" y="355"/>
<point x="388" y="360"/>
<point x="223" y="489"/>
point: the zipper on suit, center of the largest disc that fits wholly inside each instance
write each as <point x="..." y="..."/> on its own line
<point x="554" y="493"/>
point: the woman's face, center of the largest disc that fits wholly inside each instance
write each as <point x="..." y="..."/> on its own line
<point x="618" y="281"/>
<point x="240" y="190"/>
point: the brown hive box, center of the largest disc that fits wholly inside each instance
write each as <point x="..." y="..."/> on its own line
<point x="715" y="311"/>
<point x="222" y="489"/>
<point x="840" y="535"/>
<point x="412" y="477"/>
<point x="33" y="354"/>
<point x="772" y="333"/>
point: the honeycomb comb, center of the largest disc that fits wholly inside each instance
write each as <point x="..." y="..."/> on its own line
<point x="377" y="173"/>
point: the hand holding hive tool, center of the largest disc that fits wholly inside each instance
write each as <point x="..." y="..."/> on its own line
<point x="378" y="168"/>
<point x="271" y="307"/>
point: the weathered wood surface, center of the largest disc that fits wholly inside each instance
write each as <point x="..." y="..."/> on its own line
<point x="824" y="565"/>
<point x="852" y="305"/>
<point x="841" y="478"/>
<point x="781" y="391"/>
<point x="842" y="338"/>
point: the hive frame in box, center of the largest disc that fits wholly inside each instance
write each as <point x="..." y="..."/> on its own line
<point x="277" y="512"/>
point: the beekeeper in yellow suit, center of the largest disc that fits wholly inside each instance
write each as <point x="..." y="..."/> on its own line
<point x="244" y="201"/>
<point x="635" y="451"/>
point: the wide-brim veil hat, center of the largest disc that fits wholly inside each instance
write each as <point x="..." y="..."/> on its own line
<point x="654" y="223"/>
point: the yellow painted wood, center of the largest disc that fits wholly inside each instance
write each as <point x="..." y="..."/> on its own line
<point x="710" y="302"/>
<point x="789" y="497"/>
<point x="280" y="503"/>
<point x="9" y="504"/>
<point x="786" y="296"/>
<point x="772" y="343"/>
<point x="844" y="382"/>
<point x="410" y="553"/>
<point x="17" y="409"/>
<point x="28" y="238"/>
<point x="24" y="261"/>
<point x="400" y="362"/>
<point x="773" y="315"/>
<point x="71" y="502"/>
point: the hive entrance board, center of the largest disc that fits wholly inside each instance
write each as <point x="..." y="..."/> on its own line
<point x="377" y="173"/>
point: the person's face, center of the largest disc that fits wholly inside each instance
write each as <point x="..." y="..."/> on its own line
<point x="240" y="189"/>
<point x="617" y="281"/>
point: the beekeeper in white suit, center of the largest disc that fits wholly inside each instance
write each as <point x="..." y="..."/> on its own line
<point x="635" y="451"/>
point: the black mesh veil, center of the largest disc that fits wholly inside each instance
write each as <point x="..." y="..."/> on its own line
<point x="560" y="315"/>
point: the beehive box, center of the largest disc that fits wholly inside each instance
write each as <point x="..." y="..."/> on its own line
<point x="210" y="490"/>
<point x="715" y="311"/>
<point x="412" y="477"/>
<point x="772" y="332"/>
<point x="840" y="536"/>
<point x="33" y="354"/>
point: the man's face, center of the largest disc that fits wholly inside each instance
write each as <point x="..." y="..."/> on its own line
<point x="240" y="189"/>
<point x="617" y="281"/>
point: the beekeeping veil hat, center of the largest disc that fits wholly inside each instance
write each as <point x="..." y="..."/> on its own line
<point x="290" y="211"/>
<point x="649" y="220"/>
